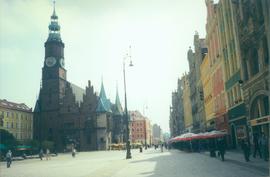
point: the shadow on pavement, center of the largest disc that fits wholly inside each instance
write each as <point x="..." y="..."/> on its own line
<point x="178" y="163"/>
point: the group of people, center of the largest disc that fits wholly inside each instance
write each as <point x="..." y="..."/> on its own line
<point x="260" y="144"/>
<point x="219" y="145"/>
<point x="47" y="154"/>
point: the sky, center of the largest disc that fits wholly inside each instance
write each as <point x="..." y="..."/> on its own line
<point x="97" y="35"/>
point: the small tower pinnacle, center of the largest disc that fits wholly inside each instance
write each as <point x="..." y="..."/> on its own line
<point x="54" y="7"/>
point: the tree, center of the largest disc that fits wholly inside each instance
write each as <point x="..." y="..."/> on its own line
<point x="7" y="139"/>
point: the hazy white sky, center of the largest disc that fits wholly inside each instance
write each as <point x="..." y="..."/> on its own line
<point x="97" y="34"/>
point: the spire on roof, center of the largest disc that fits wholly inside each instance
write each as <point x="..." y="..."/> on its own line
<point x="104" y="104"/>
<point x="118" y="107"/>
<point x="54" y="27"/>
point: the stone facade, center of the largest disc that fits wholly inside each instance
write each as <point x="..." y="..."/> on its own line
<point x="177" y="125"/>
<point x="140" y="128"/>
<point x="188" y="119"/>
<point x="196" y="90"/>
<point x="206" y="77"/>
<point x="157" y="134"/>
<point x="67" y="114"/>
<point x="252" y="18"/>
<point x="17" y="119"/>
<point x="217" y="68"/>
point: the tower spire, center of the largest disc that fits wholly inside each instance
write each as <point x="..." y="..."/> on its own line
<point x="54" y="7"/>
<point x="54" y="27"/>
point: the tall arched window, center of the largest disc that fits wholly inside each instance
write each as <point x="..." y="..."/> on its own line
<point x="265" y="51"/>
<point x="254" y="62"/>
<point x="260" y="107"/>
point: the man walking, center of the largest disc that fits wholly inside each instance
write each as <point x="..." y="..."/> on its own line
<point x="221" y="148"/>
<point x="41" y="154"/>
<point x="265" y="147"/>
<point x="256" y="146"/>
<point x="48" y="154"/>
<point x="9" y="158"/>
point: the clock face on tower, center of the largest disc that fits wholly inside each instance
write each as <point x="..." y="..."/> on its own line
<point x="50" y="61"/>
<point x="62" y="62"/>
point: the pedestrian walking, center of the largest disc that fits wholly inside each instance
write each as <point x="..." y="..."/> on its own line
<point x="246" y="149"/>
<point x="257" y="148"/>
<point x="161" y="147"/>
<point x="264" y="146"/>
<point x="9" y="158"/>
<point x="212" y="147"/>
<point x="221" y="148"/>
<point x="48" y="154"/>
<point x="41" y="154"/>
<point x="73" y="152"/>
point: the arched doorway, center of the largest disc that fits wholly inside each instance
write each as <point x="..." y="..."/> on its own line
<point x="259" y="114"/>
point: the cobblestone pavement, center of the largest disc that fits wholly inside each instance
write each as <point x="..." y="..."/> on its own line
<point x="150" y="163"/>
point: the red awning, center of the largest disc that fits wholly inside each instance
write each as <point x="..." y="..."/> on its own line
<point x="193" y="136"/>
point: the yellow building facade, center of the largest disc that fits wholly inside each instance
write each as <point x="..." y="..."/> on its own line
<point x="17" y="119"/>
<point x="206" y="78"/>
<point x="187" y="104"/>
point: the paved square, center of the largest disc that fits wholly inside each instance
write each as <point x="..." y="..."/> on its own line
<point x="150" y="163"/>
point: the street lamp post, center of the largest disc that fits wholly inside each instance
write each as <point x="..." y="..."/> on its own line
<point x="128" y="156"/>
<point x="145" y="130"/>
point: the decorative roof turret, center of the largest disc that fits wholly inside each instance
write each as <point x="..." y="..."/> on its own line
<point x="54" y="27"/>
<point x="104" y="104"/>
<point x="118" y="107"/>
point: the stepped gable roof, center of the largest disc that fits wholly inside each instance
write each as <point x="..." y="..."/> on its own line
<point x="15" y="106"/>
<point x="78" y="92"/>
<point x="104" y="104"/>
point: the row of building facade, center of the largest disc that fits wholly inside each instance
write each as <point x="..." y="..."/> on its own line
<point x="67" y="114"/>
<point x="17" y="119"/>
<point x="227" y="86"/>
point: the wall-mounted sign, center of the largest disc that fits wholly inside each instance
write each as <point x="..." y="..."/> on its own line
<point x="259" y="121"/>
<point x="241" y="132"/>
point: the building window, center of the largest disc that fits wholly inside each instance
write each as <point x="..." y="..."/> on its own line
<point x="254" y="62"/>
<point x="266" y="105"/>
<point x="265" y="51"/>
<point x="7" y="125"/>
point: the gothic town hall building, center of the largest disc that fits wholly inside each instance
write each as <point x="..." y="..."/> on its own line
<point x="67" y="114"/>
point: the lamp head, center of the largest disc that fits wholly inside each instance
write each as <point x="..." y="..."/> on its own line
<point x="131" y="64"/>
